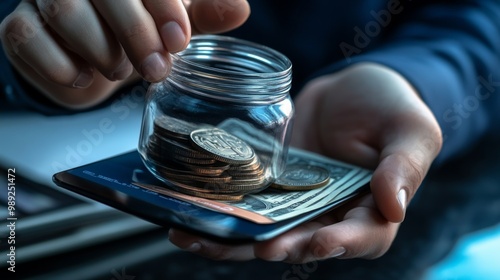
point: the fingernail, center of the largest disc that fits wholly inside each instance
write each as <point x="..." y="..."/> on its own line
<point x="171" y="234"/>
<point x="279" y="257"/>
<point x="122" y="71"/>
<point x="335" y="253"/>
<point x="195" y="247"/>
<point x="154" y="68"/>
<point x="402" y="196"/>
<point x="84" y="79"/>
<point x="173" y="36"/>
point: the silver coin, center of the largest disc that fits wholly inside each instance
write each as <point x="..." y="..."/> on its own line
<point x="222" y="146"/>
<point x="298" y="177"/>
<point x="255" y="164"/>
<point x="174" y="127"/>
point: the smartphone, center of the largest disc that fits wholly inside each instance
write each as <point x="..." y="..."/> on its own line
<point x="111" y="181"/>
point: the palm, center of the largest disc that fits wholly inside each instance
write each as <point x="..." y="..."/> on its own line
<point x="348" y="120"/>
<point x="366" y="115"/>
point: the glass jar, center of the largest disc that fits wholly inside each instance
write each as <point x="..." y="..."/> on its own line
<point x="219" y="125"/>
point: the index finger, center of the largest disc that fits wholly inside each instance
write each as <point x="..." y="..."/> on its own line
<point x="135" y="28"/>
<point x="217" y="16"/>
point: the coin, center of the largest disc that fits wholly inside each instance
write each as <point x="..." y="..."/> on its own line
<point x="226" y="197"/>
<point x="215" y="169"/>
<point x="300" y="177"/>
<point x="223" y="178"/>
<point x="198" y="161"/>
<point x="246" y="174"/>
<point x="177" y="147"/>
<point x="215" y="195"/>
<point x="161" y="159"/>
<point x="171" y="168"/>
<point x="206" y="188"/>
<point x="177" y="128"/>
<point x="222" y="146"/>
<point x="255" y="164"/>
<point x="211" y="163"/>
<point x="247" y="182"/>
<point x="249" y="188"/>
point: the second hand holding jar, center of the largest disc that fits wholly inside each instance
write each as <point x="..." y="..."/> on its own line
<point x="219" y="126"/>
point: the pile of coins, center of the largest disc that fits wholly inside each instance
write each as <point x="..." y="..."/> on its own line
<point x="302" y="177"/>
<point x="204" y="161"/>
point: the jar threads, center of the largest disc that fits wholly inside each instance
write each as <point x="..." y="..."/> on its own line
<point x="219" y="125"/>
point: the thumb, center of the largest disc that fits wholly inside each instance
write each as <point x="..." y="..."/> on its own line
<point x="405" y="160"/>
<point x="217" y="16"/>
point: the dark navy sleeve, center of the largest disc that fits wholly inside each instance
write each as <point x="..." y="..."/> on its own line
<point x="450" y="52"/>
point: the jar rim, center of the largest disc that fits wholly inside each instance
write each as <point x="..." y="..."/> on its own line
<point x="205" y="45"/>
<point x="231" y="69"/>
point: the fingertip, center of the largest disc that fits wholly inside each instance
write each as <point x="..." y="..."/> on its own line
<point x="154" y="68"/>
<point x="402" y="199"/>
<point x="321" y="251"/>
<point x="336" y="252"/>
<point x="84" y="78"/>
<point x="171" y="234"/>
<point x="173" y="37"/>
<point x="218" y="16"/>
<point x="389" y="191"/>
<point x="270" y="251"/>
<point x="325" y="245"/>
<point x="177" y="239"/>
<point x="122" y="71"/>
<point x="363" y="233"/>
<point x="184" y="241"/>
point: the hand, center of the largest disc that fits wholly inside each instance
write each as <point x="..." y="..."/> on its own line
<point x="74" y="51"/>
<point x="367" y="115"/>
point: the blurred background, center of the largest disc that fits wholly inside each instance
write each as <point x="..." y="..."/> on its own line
<point x="452" y="228"/>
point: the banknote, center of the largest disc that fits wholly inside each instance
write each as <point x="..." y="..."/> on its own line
<point x="273" y="205"/>
<point x="277" y="205"/>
